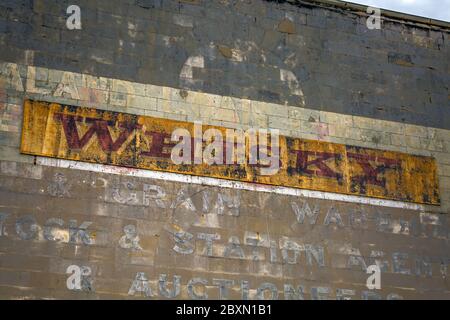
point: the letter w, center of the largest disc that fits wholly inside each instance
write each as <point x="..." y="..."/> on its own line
<point x="305" y="210"/>
<point x="98" y="127"/>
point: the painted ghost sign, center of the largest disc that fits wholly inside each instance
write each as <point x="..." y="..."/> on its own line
<point x="91" y="135"/>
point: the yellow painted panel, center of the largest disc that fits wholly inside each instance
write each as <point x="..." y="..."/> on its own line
<point x="91" y="135"/>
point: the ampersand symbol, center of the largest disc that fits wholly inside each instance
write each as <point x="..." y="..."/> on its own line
<point x="130" y="240"/>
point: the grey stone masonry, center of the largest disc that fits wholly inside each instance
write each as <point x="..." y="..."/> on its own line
<point x="302" y="53"/>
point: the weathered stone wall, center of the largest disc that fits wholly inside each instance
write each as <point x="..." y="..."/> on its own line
<point x="296" y="54"/>
<point x="206" y="234"/>
<point x="312" y="72"/>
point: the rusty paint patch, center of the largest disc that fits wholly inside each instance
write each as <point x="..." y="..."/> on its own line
<point x="91" y="135"/>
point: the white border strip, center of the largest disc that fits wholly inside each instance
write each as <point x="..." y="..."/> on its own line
<point x="177" y="177"/>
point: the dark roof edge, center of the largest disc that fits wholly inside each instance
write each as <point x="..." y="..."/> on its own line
<point x="393" y="15"/>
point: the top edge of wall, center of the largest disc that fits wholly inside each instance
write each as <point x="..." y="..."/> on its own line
<point x="399" y="17"/>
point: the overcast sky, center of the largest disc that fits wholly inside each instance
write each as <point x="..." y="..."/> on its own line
<point x="436" y="9"/>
